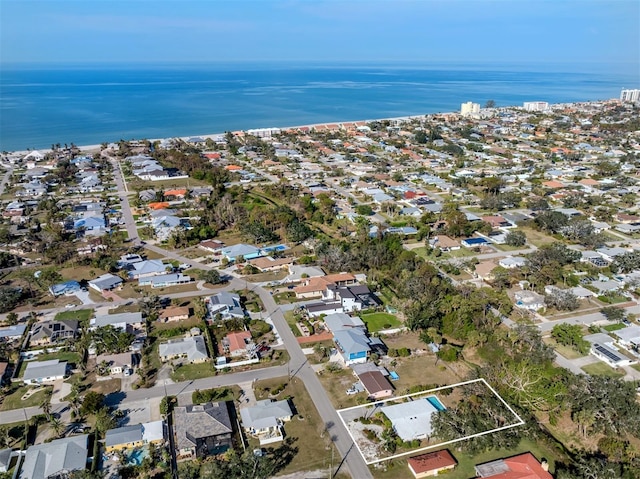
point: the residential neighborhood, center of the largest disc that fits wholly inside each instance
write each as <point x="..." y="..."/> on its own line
<point x="358" y="299"/>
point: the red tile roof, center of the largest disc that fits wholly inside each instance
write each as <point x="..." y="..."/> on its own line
<point x="431" y="461"/>
<point x="522" y="466"/>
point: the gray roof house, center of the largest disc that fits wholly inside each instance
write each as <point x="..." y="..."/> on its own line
<point x="411" y="420"/>
<point x="342" y="321"/>
<point x="52" y="331"/>
<point x="11" y="333"/>
<point x="134" y="435"/>
<point x="193" y="348"/>
<point x="150" y="267"/>
<point x="120" y="320"/>
<point x="264" y="420"/>
<point x="52" y="459"/>
<point x="202" y="430"/>
<point x="5" y="459"/>
<point x="38" y="372"/>
<point x="353" y="345"/>
<point x="106" y="282"/>
<point x="226" y="304"/>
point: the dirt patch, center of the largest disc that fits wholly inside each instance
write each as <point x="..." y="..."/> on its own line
<point x="315" y="338"/>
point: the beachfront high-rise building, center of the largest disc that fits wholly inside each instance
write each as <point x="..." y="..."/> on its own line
<point x="630" y="95"/>
<point x="535" y="105"/>
<point x="470" y="109"/>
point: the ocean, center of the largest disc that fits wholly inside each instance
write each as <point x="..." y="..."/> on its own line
<point x="41" y="106"/>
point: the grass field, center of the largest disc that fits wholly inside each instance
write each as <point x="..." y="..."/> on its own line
<point x="14" y="400"/>
<point x="601" y="369"/>
<point x="291" y="321"/>
<point x="566" y="351"/>
<point x="81" y="315"/>
<point x="614" y="327"/>
<point x="70" y="357"/>
<point x="378" y="321"/>
<point x="187" y="372"/>
<point x="306" y="428"/>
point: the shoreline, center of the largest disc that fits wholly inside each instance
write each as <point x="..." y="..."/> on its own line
<point x="87" y="148"/>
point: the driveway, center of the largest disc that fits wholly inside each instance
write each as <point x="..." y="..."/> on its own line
<point x="83" y="296"/>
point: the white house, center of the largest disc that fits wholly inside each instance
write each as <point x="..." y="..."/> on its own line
<point x="38" y="372"/>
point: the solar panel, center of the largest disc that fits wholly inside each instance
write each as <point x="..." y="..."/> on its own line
<point x="607" y="352"/>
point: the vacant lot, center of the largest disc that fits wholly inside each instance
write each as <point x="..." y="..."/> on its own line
<point x="306" y="428"/>
<point x="601" y="369"/>
<point x="187" y="372"/>
<point x="81" y="315"/>
<point x="14" y="400"/>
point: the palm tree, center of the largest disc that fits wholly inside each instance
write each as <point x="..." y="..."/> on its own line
<point x="58" y="426"/>
<point x="46" y="403"/>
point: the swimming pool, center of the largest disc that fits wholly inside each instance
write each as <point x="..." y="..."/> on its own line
<point x="435" y="402"/>
<point x="279" y="247"/>
<point x="135" y="457"/>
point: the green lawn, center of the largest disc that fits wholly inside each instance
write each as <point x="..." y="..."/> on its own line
<point x="601" y="369"/>
<point x="614" y="327"/>
<point x="285" y="297"/>
<point x="636" y="367"/>
<point x="379" y="321"/>
<point x="14" y="400"/>
<point x="81" y="315"/>
<point x="193" y="371"/>
<point x="291" y="321"/>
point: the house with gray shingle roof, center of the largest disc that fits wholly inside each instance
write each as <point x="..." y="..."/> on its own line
<point x="202" y="430"/>
<point x="264" y="420"/>
<point x="38" y="372"/>
<point x="56" y="458"/>
<point x="192" y="348"/>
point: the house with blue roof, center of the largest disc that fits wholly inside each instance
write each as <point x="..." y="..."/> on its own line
<point x="247" y="251"/>
<point x="68" y="287"/>
<point x="353" y="344"/>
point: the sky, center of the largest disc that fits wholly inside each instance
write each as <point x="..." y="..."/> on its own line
<point x="500" y="31"/>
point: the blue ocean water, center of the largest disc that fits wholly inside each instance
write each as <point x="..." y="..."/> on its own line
<point x="89" y="105"/>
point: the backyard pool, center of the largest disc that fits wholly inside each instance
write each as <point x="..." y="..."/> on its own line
<point x="435" y="402"/>
<point x="135" y="457"/>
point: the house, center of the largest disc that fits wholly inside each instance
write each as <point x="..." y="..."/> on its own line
<point x="445" y="243"/>
<point x="512" y="262"/>
<point x="48" y="332"/>
<point x="68" y="287"/>
<point x="192" y="348"/>
<point x="376" y="384"/>
<point x="202" y="430"/>
<point x="473" y="242"/>
<point x="174" y="313"/>
<point x="214" y="246"/>
<point x="5" y="459"/>
<point x="353" y="344"/>
<point x="226" y="304"/>
<point x="610" y="356"/>
<point x="146" y="268"/>
<point x="522" y="466"/>
<point x="341" y="321"/>
<point x="137" y="435"/>
<point x="484" y="270"/>
<point x="106" y="282"/>
<point x="240" y="251"/>
<point x="629" y="337"/>
<point x="529" y="300"/>
<point x="164" y="280"/>
<point x="610" y="254"/>
<point x="38" y="372"/>
<point x="265" y="419"/>
<point x="12" y="333"/>
<point x="238" y="343"/>
<point x="124" y="321"/>
<point x="117" y="363"/>
<point x="412" y="420"/>
<point x="268" y="263"/>
<point x="497" y="221"/>
<point x="352" y="298"/>
<point x="314" y="287"/>
<point x="431" y="463"/>
<point x="55" y="459"/>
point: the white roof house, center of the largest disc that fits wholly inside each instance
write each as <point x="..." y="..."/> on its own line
<point x="151" y="267"/>
<point x="226" y="304"/>
<point x="60" y="456"/>
<point x="120" y="320"/>
<point x="411" y="420"/>
<point x="38" y="372"/>
<point x="512" y="262"/>
<point x="107" y="282"/>
<point x="629" y="337"/>
<point x="193" y="348"/>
